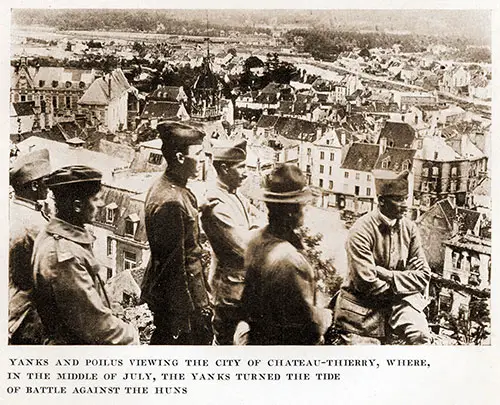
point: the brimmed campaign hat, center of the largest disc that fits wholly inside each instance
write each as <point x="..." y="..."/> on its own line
<point x="388" y="183"/>
<point x="285" y="184"/>
<point x="226" y="151"/>
<point x="77" y="174"/>
<point x="29" y="167"/>
<point x="179" y="134"/>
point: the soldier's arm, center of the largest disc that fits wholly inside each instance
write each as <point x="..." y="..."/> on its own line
<point x="81" y="307"/>
<point x="169" y="235"/>
<point x="365" y="274"/>
<point x="236" y="237"/>
<point x="416" y="276"/>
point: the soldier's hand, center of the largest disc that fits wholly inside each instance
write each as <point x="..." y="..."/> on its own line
<point x="415" y="264"/>
<point x="207" y="206"/>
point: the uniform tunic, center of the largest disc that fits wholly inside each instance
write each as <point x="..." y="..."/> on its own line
<point x="374" y="247"/>
<point x="174" y="285"/>
<point x="227" y="226"/>
<point x="69" y="293"/>
<point x="26" y="220"/>
<point x="280" y="292"/>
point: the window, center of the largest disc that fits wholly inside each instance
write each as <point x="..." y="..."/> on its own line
<point x="453" y="186"/>
<point x="368" y="177"/>
<point x="357" y="176"/>
<point x="321" y="182"/>
<point x="129" y="260"/>
<point x="110" y="212"/>
<point x="55" y="83"/>
<point x="68" y="84"/>
<point x="68" y="102"/>
<point x="155" y="158"/>
<point x="435" y="171"/>
<point x="406" y="165"/>
<point x="346" y="175"/>
<point x="308" y="151"/>
<point x="368" y="191"/>
<point x="356" y="190"/>
<point x="308" y="169"/>
<point x="321" y="169"/>
<point x="110" y="247"/>
<point x="425" y="186"/>
<point x="43" y="105"/>
<point x="425" y="172"/>
<point x="81" y="85"/>
<point x="330" y="169"/>
<point x="330" y="185"/>
<point x="321" y="155"/>
<point x="453" y="171"/>
<point x="332" y="157"/>
<point x="131" y="224"/>
<point x="109" y="273"/>
<point x="390" y="143"/>
<point x="386" y="163"/>
<point x="54" y="102"/>
<point x="41" y="83"/>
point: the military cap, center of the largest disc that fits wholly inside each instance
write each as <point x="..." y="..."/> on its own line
<point x="390" y="183"/>
<point x="229" y="151"/>
<point x="30" y="166"/>
<point x="285" y="184"/>
<point x="73" y="175"/>
<point x="176" y="133"/>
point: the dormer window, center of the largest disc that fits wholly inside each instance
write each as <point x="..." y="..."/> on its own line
<point x="41" y="83"/>
<point x="81" y="85"/>
<point x="405" y="165"/>
<point x="55" y="83"/>
<point x="68" y="84"/>
<point x="131" y="224"/>
<point x="386" y="163"/>
<point x="155" y="158"/>
<point x="110" y="212"/>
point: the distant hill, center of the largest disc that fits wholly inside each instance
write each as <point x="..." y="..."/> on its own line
<point x="475" y="25"/>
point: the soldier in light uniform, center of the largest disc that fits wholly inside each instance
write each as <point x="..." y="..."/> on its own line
<point x="388" y="273"/>
<point x="174" y="285"/>
<point x="28" y="215"/>
<point x="227" y="223"/>
<point x="68" y="291"/>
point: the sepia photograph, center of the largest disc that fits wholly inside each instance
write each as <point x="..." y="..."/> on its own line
<point x="250" y="177"/>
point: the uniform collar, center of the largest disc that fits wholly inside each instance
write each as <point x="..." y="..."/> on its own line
<point x="225" y="187"/>
<point x="69" y="231"/>
<point x="175" y="178"/>
<point x="34" y="205"/>
<point x="385" y="220"/>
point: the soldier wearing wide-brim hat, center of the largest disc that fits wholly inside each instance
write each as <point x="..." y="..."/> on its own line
<point x="227" y="222"/>
<point x="28" y="213"/>
<point x="280" y="287"/>
<point x="388" y="272"/>
<point x="68" y="291"/>
<point x="174" y="284"/>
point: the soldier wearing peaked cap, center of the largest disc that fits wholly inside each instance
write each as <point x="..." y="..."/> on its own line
<point x="279" y="296"/>
<point x="226" y="220"/>
<point x="174" y="284"/>
<point x="68" y="291"/>
<point x="388" y="273"/>
<point x="28" y="214"/>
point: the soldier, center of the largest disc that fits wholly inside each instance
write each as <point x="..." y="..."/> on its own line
<point x="227" y="224"/>
<point x="388" y="272"/>
<point x="68" y="291"/>
<point x="279" y="297"/>
<point x="27" y="216"/>
<point x="174" y="284"/>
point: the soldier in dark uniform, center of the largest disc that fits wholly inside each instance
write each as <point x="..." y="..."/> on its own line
<point x="227" y="224"/>
<point x="28" y="214"/>
<point x="174" y="284"/>
<point x="279" y="297"/>
<point x="68" y="291"/>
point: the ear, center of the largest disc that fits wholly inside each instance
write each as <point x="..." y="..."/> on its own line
<point x="34" y="185"/>
<point x="180" y="157"/>
<point x="77" y="206"/>
<point x="224" y="167"/>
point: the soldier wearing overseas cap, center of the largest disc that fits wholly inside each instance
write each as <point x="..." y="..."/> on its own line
<point x="279" y="297"/>
<point x="388" y="273"/>
<point x="227" y="223"/>
<point x="68" y="291"/>
<point x="28" y="215"/>
<point x="174" y="285"/>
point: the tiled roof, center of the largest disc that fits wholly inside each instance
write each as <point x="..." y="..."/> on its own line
<point x="396" y="157"/>
<point x="471" y="242"/>
<point x="267" y="121"/>
<point x="24" y="108"/>
<point x="361" y="157"/>
<point x="160" y="110"/>
<point x="99" y="91"/>
<point x="267" y="98"/>
<point x="400" y="133"/>
<point x="294" y="128"/>
<point x="167" y="93"/>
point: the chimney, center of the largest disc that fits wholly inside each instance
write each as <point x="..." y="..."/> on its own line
<point x="382" y="145"/>
<point x="319" y="132"/>
<point x="342" y="138"/>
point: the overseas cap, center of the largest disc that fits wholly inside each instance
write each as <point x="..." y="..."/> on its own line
<point x="72" y="175"/>
<point x="229" y="151"/>
<point x="30" y="166"/>
<point x="285" y="184"/>
<point x="390" y="183"/>
<point x="176" y="133"/>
